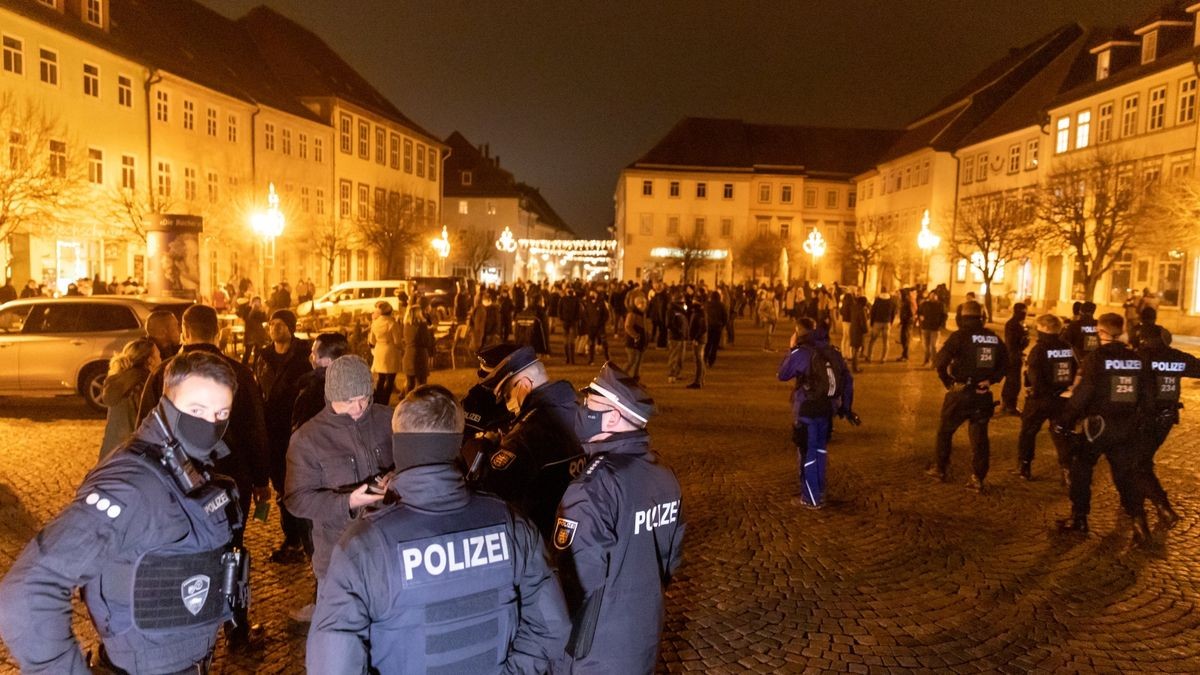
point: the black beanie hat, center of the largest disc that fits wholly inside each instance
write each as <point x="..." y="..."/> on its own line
<point x="287" y="316"/>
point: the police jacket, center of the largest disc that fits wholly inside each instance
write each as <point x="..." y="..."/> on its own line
<point x="1167" y="367"/>
<point x="971" y="354"/>
<point x="1050" y="367"/>
<point x="147" y="557"/>
<point x="446" y="580"/>
<point x="249" y="459"/>
<point x="620" y="537"/>
<point x="1083" y="336"/>
<point x="1111" y="385"/>
<point x="329" y="457"/>
<point x="537" y="457"/>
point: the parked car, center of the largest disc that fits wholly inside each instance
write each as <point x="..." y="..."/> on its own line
<point x="441" y="292"/>
<point x="354" y="296"/>
<point x="53" y="346"/>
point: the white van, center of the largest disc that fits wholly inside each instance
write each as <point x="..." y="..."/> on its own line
<point x="355" y="296"/>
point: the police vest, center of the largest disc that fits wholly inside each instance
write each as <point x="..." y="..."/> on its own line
<point x="1167" y="373"/>
<point x="1089" y="337"/>
<point x="1060" y="368"/>
<point x="977" y="361"/>
<point x="453" y="597"/>
<point x="1119" y="384"/>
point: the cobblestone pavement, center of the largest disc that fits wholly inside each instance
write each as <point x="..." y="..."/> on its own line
<point x="897" y="573"/>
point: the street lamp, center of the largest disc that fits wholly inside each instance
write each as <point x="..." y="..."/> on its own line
<point x="506" y="242"/>
<point x="268" y="225"/>
<point x="442" y="246"/>
<point x="926" y="241"/>
<point x="814" y="245"/>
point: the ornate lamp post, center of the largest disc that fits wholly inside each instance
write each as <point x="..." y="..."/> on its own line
<point x="442" y="246"/>
<point x="268" y="225"/>
<point x="507" y="243"/>
<point x="814" y="246"/>
<point x="926" y="241"/>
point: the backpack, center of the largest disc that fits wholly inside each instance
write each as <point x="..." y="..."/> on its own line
<point x="825" y="381"/>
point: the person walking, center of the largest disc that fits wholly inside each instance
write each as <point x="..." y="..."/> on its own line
<point x="595" y="321"/>
<point x="908" y="312"/>
<point x="122" y="392"/>
<point x="677" y="331"/>
<point x="859" y="320"/>
<point x="883" y="313"/>
<point x="717" y="315"/>
<point x="254" y="338"/>
<point x="1049" y="374"/>
<point x="636" y="336"/>
<point x="933" y="319"/>
<point x="768" y="316"/>
<point x="418" y="344"/>
<point x="570" y="315"/>
<point x="697" y="335"/>
<point x="387" y="345"/>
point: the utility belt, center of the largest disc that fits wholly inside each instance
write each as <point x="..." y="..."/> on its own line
<point x="101" y="665"/>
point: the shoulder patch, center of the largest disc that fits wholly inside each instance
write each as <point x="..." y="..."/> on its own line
<point x="564" y="533"/>
<point x="502" y="460"/>
<point x="592" y="466"/>
<point x="104" y="503"/>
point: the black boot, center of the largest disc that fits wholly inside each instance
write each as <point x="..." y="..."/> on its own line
<point x="1076" y="524"/>
<point x="1167" y="517"/>
<point x="1141" y="531"/>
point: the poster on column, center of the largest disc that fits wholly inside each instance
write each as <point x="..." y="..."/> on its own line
<point x="173" y="255"/>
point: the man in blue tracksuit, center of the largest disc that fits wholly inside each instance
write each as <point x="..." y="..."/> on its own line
<point x="823" y="386"/>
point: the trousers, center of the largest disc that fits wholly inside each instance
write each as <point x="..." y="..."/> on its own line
<point x="1011" y="390"/>
<point x="811" y="436"/>
<point x="1038" y="410"/>
<point x="974" y="408"/>
<point x="1121" y="442"/>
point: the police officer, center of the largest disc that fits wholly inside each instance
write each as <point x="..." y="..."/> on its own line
<point x="1108" y="398"/>
<point x="619" y="532"/>
<point x="1168" y="367"/>
<point x="445" y="579"/>
<point x="538" y="455"/>
<point x="148" y="538"/>
<point x="1049" y="374"/>
<point x="1082" y="333"/>
<point x="813" y="404"/>
<point x="1016" y="339"/>
<point x="968" y="364"/>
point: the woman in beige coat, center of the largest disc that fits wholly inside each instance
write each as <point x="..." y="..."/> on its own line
<point x="387" y="349"/>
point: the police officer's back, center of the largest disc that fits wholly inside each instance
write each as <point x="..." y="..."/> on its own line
<point x="1082" y="333"/>
<point x="619" y="532"/>
<point x="1167" y="368"/>
<point x="146" y="537"/>
<point x="1049" y="373"/>
<point x="443" y="580"/>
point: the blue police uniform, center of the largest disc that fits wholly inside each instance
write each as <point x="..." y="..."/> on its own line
<point x="971" y="355"/>
<point x="1167" y="368"/>
<point x="149" y="558"/>
<point x="445" y="580"/>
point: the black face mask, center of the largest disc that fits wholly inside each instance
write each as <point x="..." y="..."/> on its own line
<point x="588" y="423"/>
<point x="198" y="437"/>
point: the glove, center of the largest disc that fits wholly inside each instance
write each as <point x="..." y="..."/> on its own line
<point x="853" y="418"/>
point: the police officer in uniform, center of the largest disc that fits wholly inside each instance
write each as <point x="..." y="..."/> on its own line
<point x="538" y="455"/>
<point x="1110" y="395"/>
<point x="1168" y="366"/>
<point x="148" y="538"/>
<point x="444" y="579"/>
<point x="1016" y="339"/>
<point x="970" y="361"/>
<point x="619" y="533"/>
<point x="485" y="417"/>
<point x="1082" y="333"/>
<point x="1049" y="374"/>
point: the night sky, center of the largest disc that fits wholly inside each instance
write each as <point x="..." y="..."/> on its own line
<point x="569" y="93"/>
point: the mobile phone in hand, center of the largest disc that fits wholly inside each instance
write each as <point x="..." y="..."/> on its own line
<point x="262" y="510"/>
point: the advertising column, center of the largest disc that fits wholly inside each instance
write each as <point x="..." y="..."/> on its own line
<point x="173" y="255"/>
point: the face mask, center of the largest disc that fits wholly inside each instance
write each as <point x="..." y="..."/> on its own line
<point x="513" y="406"/>
<point x="198" y="437"/>
<point x="588" y="423"/>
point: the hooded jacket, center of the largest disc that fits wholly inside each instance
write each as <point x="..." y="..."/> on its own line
<point x="122" y="393"/>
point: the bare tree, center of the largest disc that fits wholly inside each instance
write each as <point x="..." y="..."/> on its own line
<point x="1093" y="206"/>
<point x="390" y="230"/>
<point x="331" y="236"/>
<point x="693" y="255"/>
<point x="993" y="231"/>
<point x="472" y="249"/>
<point x="872" y="243"/>
<point x="131" y="209"/>
<point x="43" y="176"/>
<point x="760" y="252"/>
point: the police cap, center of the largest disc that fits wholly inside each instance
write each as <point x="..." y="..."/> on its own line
<point x="520" y="359"/>
<point x="490" y="357"/>
<point x="624" y="393"/>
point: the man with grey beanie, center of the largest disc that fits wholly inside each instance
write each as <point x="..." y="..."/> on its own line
<point x="336" y="461"/>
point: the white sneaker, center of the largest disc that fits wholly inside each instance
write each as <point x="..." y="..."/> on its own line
<point x="304" y="614"/>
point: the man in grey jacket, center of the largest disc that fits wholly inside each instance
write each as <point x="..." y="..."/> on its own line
<point x="334" y="458"/>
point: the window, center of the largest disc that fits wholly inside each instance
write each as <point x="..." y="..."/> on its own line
<point x="408" y="159"/>
<point x="764" y="192"/>
<point x="364" y="139"/>
<point x="162" y="106"/>
<point x="1129" y="116"/>
<point x="1104" y="122"/>
<point x="128" y="172"/>
<point x="213" y="183"/>
<point x="433" y="163"/>
<point x="1149" y="46"/>
<point x="1170" y="276"/>
<point x="1031" y="153"/>
<point x="1181" y="169"/>
<point x="344" y="190"/>
<point x="701" y="190"/>
<point x="1187" y="101"/>
<point x="232" y="128"/>
<point x="320" y="202"/>
<point x="763" y="225"/>
<point x="93" y="12"/>
<point x="968" y="170"/>
<point x="269" y="136"/>
<point x="810" y="199"/>
<point x="728" y="191"/>
<point x="16" y="149"/>
<point x="95" y="166"/>
<point x="1083" y="129"/>
<point x="646" y="225"/>
<point x="318" y="150"/>
<point x="981" y="167"/>
<point x="420" y="160"/>
<point x="852" y="199"/>
<point x="673" y="189"/>
<point x="1014" y="158"/>
<point x="1156" y="115"/>
<point x="726" y="228"/>
<point x="907" y="178"/>
<point x="831" y="199"/>
<point x="380" y="206"/>
<point x="189" y="183"/>
<point x="49" y="66"/>
<point x="364" y="201"/>
<point x="647" y="188"/>
<point x="302" y="145"/>
<point x="164" y="180"/>
<point x="285" y="141"/>
<point x="699" y="231"/>
<point x="14" y="55"/>
<point x="210" y="122"/>
<point x="490" y="207"/>
<point x="91" y="80"/>
<point x="1103" y="64"/>
<point x="465" y="177"/>
<point x="58" y="158"/>
<point x="785" y="229"/>
<point x="345" y="129"/>
<point x="672" y="226"/>
<point x="785" y="193"/>
<point x="189" y="115"/>
<point x="394" y="152"/>
<point x="463" y="207"/>
<point x="925" y="172"/>
<point x="1062" y="140"/>
<point x="380" y="145"/>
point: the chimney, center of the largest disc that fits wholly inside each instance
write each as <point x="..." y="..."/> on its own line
<point x="485" y="149"/>
<point x="497" y="161"/>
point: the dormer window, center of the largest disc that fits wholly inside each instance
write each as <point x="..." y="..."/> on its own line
<point x="465" y="177"/>
<point x="1149" y="46"/>
<point x="1103" y="64"/>
<point x="93" y="12"/>
<point x="52" y="4"/>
